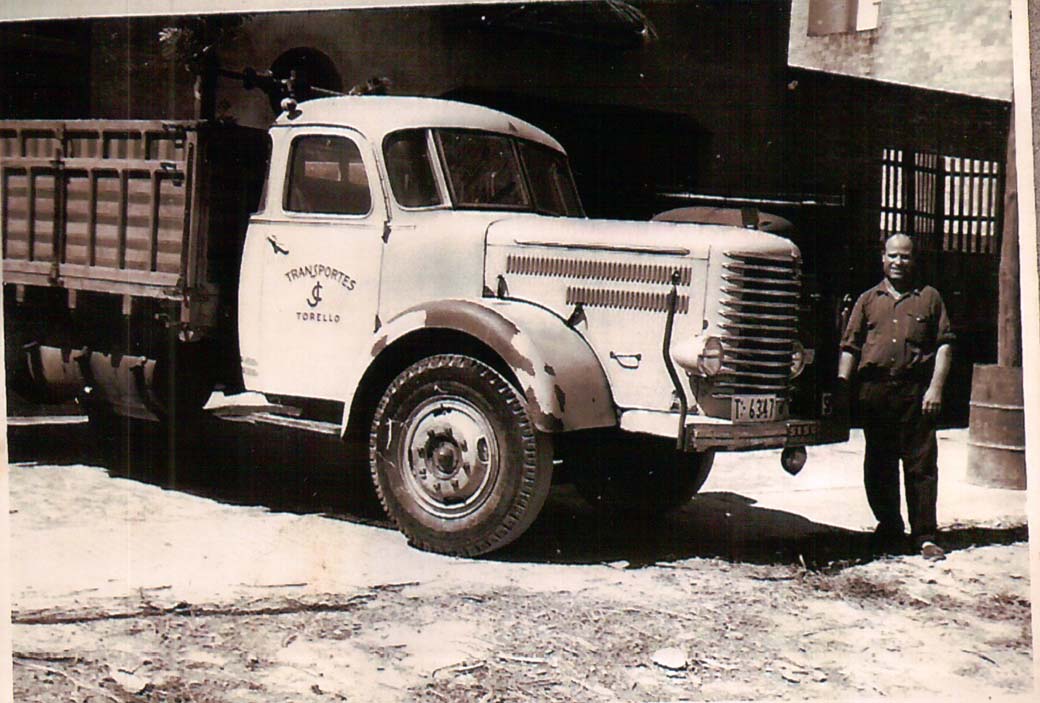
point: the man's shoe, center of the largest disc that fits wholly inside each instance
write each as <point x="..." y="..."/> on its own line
<point x="889" y="539"/>
<point x="932" y="551"/>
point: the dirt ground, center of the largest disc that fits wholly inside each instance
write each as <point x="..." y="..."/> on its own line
<point x="249" y="570"/>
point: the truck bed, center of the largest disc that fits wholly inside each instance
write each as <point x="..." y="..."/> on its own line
<point x="147" y="209"/>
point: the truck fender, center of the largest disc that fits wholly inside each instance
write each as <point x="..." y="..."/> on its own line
<point x="560" y="376"/>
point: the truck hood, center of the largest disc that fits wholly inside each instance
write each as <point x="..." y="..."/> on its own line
<point x="684" y="239"/>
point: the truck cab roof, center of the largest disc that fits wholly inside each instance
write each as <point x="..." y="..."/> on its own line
<point x="378" y="115"/>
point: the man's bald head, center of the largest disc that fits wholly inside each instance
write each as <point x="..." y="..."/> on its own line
<point x="897" y="261"/>
<point x="899" y="238"/>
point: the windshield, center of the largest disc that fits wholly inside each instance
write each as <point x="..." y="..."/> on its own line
<point x="550" y="178"/>
<point x="482" y="170"/>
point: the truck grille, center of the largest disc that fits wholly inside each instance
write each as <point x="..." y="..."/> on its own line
<point x="759" y="312"/>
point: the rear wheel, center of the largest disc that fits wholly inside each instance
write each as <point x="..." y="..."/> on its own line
<point x="183" y="381"/>
<point x="126" y="401"/>
<point x="457" y="462"/>
<point x="634" y="475"/>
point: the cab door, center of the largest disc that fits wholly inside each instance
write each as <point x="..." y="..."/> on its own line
<point x="321" y="247"/>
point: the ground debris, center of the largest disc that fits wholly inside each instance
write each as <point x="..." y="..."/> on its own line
<point x="45" y="657"/>
<point x="128" y="681"/>
<point x="711" y="663"/>
<point x="278" y="606"/>
<point x="522" y="660"/>
<point x="749" y="625"/>
<point x="458" y="669"/>
<point x="980" y="655"/>
<point x="96" y="690"/>
<point x="671" y="658"/>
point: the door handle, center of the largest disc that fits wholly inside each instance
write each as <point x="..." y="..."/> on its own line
<point x="627" y="361"/>
<point x="278" y="249"/>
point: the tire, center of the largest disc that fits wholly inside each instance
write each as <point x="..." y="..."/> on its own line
<point x="638" y="476"/>
<point x="457" y="463"/>
<point x="109" y="435"/>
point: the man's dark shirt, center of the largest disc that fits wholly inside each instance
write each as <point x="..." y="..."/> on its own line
<point x="897" y="338"/>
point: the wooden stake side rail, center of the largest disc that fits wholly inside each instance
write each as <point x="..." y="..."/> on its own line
<point x="100" y="205"/>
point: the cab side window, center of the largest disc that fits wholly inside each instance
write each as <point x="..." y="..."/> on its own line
<point x="327" y="176"/>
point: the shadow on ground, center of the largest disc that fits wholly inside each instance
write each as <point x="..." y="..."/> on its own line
<point x="287" y="470"/>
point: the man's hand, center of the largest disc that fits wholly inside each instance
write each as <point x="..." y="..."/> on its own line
<point x="932" y="403"/>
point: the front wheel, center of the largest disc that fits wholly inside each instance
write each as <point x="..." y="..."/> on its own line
<point x="456" y="461"/>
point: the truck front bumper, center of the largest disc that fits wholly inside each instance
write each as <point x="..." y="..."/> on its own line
<point x="712" y="434"/>
<point x="764" y="435"/>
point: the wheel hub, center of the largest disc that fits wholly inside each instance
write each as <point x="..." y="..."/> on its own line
<point x="446" y="458"/>
<point x="450" y="460"/>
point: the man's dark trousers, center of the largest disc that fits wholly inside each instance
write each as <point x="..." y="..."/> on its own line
<point x="895" y="428"/>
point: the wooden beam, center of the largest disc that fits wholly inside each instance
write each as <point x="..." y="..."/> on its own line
<point x="1009" y="311"/>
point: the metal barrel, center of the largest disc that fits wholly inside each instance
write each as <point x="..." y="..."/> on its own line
<point x="996" y="428"/>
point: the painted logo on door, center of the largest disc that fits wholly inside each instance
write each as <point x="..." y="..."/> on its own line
<point x="317" y="292"/>
<point x="315" y="298"/>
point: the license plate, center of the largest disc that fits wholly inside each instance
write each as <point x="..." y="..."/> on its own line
<point x="758" y="408"/>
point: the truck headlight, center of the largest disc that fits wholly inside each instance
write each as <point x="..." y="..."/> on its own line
<point x="699" y="355"/>
<point x="799" y="359"/>
<point x="709" y="361"/>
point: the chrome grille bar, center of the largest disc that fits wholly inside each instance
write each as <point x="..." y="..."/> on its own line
<point x="744" y="374"/>
<point x="747" y="303"/>
<point x="724" y="390"/>
<point x="749" y="292"/>
<point x="735" y="349"/>
<point x="760" y="280"/>
<point x="733" y="315"/>
<point x="745" y="267"/>
<point x="757" y="326"/>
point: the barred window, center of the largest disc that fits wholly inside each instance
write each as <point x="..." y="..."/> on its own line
<point x="949" y="203"/>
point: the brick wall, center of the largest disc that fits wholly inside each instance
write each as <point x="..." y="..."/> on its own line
<point x="960" y="46"/>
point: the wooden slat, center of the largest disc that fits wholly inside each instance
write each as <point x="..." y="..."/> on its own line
<point x="962" y="235"/>
<point x="4" y="205"/>
<point x="969" y="207"/>
<point x="153" y="225"/>
<point x="30" y="219"/>
<point x="151" y="278"/>
<point x="144" y="166"/>
<point x="100" y="125"/>
<point x="993" y="190"/>
<point x="92" y="283"/>
<point x="16" y="266"/>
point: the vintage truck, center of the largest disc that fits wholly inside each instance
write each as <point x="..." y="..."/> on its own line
<point x="425" y="269"/>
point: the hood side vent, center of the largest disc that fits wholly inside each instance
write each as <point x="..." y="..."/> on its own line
<point x="615" y="299"/>
<point x="585" y="269"/>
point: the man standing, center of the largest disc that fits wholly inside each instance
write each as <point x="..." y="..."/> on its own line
<point x="898" y="343"/>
